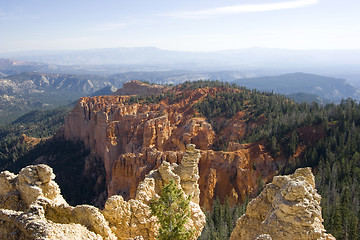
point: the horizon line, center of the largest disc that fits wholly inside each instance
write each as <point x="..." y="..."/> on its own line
<point x="175" y="50"/>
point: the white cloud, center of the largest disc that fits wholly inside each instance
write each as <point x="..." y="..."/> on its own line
<point x="243" y="9"/>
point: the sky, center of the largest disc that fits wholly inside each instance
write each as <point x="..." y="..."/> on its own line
<point x="186" y="25"/>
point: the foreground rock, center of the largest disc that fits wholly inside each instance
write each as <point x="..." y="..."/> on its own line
<point x="288" y="208"/>
<point x="31" y="206"/>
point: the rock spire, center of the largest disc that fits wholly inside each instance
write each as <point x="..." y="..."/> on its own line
<point x="31" y="206"/>
<point x="288" y="208"/>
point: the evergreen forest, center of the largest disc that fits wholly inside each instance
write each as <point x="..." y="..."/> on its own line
<point x="333" y="150"/>
<point x="334" y="155"/>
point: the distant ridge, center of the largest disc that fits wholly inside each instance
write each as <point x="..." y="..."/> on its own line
<point x="330" y="88"/>
<point x="108" y="90"/>
<point x="255" y="58"/>
<point x="309" y="98"/>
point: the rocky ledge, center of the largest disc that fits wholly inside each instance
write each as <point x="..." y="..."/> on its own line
<point x="31" y="206"/>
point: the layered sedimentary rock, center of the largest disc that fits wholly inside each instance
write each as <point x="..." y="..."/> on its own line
<point x="31" y="206"/>
<point x="133" y="139"/>
<point x="288" y="208"/>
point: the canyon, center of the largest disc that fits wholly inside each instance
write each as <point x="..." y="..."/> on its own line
<point x="132" y="145"/>
<point x="131" y="139"/>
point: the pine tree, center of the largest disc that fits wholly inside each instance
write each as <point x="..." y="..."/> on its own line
<point x="293" y="143"/>
<point x="173" y="212"/>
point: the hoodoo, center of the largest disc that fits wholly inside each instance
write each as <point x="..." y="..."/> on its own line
<point x="132" y="138"/>
<point x="288" y="208"/>
<point x="31" y="206"/>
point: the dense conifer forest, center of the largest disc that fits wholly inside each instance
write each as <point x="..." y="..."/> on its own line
<point x="335" y="157"/>
<point x="221" y="220"/>
<point x="37" y="124"/>
<point x="333" y="151"/>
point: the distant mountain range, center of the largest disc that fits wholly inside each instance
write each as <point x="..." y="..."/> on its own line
<point x="150" y="59"/>
<point x="12" y="66"/>
<point x="23" y="92"/>
<point x="25" y="86"/>
<point x="333" y="89"/>
<point x="309" y="98"/>
<point x="108" y="90"/>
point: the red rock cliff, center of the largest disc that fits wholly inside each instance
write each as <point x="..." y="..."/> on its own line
<point x="132" y="139"/>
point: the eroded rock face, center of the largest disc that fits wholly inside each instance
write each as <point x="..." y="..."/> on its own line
<point x="288" y="208"/>
<point x="28" y="202"/>
<point x="133" y="139"/>
<point x="142" y="223"/>
<point x="31" y="206"/>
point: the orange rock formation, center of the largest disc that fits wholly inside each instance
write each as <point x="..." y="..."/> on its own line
<point x="133" y="139"/>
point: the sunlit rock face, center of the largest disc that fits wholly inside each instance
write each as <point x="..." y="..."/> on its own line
<point x="133" y="139"/>
<point x="288" y="208"/>
<point x="31" y="206"/>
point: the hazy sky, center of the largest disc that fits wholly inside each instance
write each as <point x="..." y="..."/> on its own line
<point x="195" y="25"/>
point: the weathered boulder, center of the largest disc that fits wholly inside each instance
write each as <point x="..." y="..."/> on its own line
<point x="288" y="208"/>
<point x="31" y="225"/>
<point x="35" y="181"/>
<point x="31" y="206"/>
<point x="26" y="202"/>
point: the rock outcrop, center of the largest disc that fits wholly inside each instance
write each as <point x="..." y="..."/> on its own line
<point x="288" y="208"/>
<point x="31" y="206"/>
<point x="133" y="139"/>
<point x="27" y="198"/>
